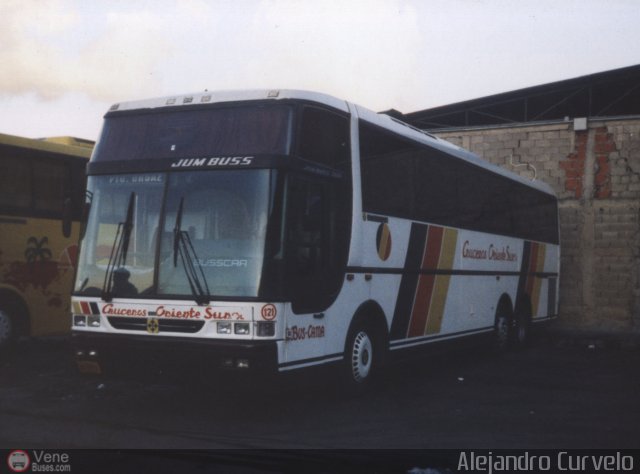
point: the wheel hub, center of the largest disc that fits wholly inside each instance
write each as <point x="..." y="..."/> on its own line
<point x="502" y="330"/>
<point x="5" y="327"/>
<point x="361" y="358"/>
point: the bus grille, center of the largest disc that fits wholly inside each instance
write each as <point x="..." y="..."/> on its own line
<point x="165" y="325"/>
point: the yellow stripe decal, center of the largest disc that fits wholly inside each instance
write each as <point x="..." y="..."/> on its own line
<point x="441" y="290"/>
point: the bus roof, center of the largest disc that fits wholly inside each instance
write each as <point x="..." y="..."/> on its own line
<point x="217" y="97"/>
<point x="62" y="145"/>
<point x="380" y="119"/>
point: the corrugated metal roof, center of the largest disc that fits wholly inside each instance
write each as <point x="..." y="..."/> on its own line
<point x="610" y="93"/>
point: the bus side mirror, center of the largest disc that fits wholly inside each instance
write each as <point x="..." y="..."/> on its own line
<point x="66" y="218"/>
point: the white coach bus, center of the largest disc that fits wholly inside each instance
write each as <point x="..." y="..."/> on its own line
<point x="279" y="230"/>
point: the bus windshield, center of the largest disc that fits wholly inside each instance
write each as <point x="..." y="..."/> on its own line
<point x="220" y="217"/>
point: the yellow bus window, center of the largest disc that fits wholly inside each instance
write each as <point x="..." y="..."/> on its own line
<point x="49" y="179"/>
<point x="15" y="183"/>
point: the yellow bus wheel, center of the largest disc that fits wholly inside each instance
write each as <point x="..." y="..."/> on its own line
<point x="7" y="329"/>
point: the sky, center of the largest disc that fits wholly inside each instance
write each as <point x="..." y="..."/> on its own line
<point x="64" y="62"/>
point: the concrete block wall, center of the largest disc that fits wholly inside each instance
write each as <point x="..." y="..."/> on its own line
<point x="596" y="175"/>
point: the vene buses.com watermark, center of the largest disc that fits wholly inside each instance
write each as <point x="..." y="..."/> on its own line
<point x="560" y="461"/>
<point x="20" y="460"/>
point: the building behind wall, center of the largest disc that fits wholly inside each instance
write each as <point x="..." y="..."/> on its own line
<point x="586" y="145"/>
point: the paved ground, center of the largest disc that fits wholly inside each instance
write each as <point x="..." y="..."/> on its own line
<point x="549" y="396"/>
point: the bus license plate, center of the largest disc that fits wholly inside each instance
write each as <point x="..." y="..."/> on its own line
<point x="89" y="367"/>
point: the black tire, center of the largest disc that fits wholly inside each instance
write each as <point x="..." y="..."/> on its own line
<point x="8" y="328"/>
<point x="521" y="327"/>
<point x="502" y="331"/>
<point x="363" y="357"/>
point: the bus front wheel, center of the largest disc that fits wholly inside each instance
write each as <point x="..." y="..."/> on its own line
<point x="7" y="329"/>
<point x="363" y="356"/>
<point x="361" y="359"/>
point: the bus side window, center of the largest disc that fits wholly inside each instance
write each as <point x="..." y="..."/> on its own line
<point x="305" y="231"/>
<point x="388" y="171"/>
<point x="324" y="139"/>
<point x="51" y="181"/>
<point x="15" y="184"/>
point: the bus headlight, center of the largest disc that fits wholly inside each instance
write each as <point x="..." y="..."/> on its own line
<point x="94" y="321"/>
<point x="241" y="328"/>
<point x="223" y="327"/>
<point x="80" y="320"/>
<point x="266" y="328"/>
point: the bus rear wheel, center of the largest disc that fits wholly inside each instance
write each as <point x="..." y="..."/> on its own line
<point x="522" y="327"/>
<point x="502" y="332"/>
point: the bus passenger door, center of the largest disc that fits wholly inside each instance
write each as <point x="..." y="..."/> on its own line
<point x="308" y="247"/>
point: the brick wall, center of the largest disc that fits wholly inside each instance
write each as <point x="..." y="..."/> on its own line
<point x="596" y="175"/>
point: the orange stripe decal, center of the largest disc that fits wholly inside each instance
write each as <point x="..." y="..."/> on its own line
<point x="424" y="291"/>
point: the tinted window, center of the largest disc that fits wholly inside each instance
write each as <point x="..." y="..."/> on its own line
<point x="36" y="184"/>
<point x="484" y="200"/>
<point x="406" y="179"/>
<point x="436" y="198"/>
<point x="535" y="215"/>
<point x="15" y="183"/>
<point x="196" y="133"/>
<point x="51" y="181"/>
<point x="317" y="242"/>
<point x="324" y="138"/>
<point x="387" y="169"/>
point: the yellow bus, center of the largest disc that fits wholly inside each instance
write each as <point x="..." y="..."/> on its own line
<point x="42" y="191"/>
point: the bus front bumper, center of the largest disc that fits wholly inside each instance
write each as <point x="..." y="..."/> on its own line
<point x="97" y="353"/>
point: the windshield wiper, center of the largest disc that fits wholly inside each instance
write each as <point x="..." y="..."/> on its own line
<point x="183" y="246"/>
<point x="119" y="250"/>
